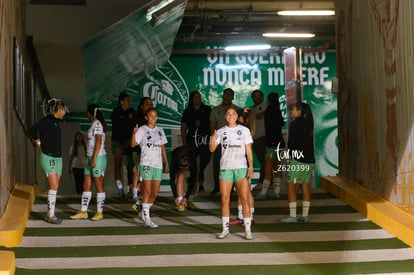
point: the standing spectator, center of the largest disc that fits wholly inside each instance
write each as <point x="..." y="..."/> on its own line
<point x="217" y="120"/>
<point x="274" y="142"/>
<point x="95" y="165"/>
<point x="235" y="142"/>
<point x="122" y="118"/>
<point x="302" y="164"/>
<point x="195" y="132"/>
<point x="256" y="125"/>
<point x="46" y="133"/>
<point x="151" y="138"/>
<point x="181" y="158"/>
<point x="77" y="161"/>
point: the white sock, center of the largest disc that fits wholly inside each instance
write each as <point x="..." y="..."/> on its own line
<point x="305" y="208"/>
<point x="86" y="198"/>
<point x="240" y="212"/>
<point x="145" y="211"/>
<point x="135" y="193"/>
<point x="51" y="202"/>
<point x="100" y="201"/>
<point x="265" y="187"/>
<point x="225" y="221"/>
<point x="119" y="184"/>
<point x="277" y="182"/>
<point x="247" y="224"/>
<point x="180" y="198"/>
<point x="292" y="209"/>
<point x="251" y="213"/>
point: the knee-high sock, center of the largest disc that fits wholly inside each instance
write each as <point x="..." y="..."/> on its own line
<point x="86" y="198"/>
<point x="51" y="202"/>
<point x="100" y="201"/>
<point x="292" y="209"/>
<point x="305" y="208"/>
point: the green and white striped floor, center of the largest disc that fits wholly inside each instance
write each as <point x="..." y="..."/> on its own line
<point x="338" y="240"/>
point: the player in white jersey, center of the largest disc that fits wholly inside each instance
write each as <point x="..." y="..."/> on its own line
<point x="236" y="143"/>
<point x="95" y="165"/>
<point x="151" y="138"/>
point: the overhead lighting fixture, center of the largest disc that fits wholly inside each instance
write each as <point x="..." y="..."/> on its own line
<point x="306" y="13"/>
<point x="289" y="35"/>
<point x="247" y="47"/>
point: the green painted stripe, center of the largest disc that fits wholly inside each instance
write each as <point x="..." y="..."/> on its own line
<point x="201" y="228"/>
<point x="207" y="248"/>
<point x="403" y="266"/>
<point x="194" y="238"/>
<point x="313" y="257"/>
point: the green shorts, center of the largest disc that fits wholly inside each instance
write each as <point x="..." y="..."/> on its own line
<point x="270" y="153"/>
<point x="233" y="175"/>
<point x="299" y="172"/>
<point x="51" y="165"/>
<point x="150" y="173"/>
<point x="98" y="170"/>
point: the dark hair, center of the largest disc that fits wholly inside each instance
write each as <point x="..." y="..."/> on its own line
<point x="306" y="113"/>
<point x="273" y="99"/>
<point x="141" y="103"/>
<point x="228" y="90"/>
<point x="191" y="99"/>
<point x="257" y="91"/>
<point x="95" y="112"/>
<point x="54" y="105"/>
<point x="75" y="144"/>
<point x="121" y="97"/>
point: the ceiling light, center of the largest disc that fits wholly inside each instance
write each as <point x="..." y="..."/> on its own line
<point x="306" y="13"/>
<point x="289" y="35"/>
<point x="247" y="47"/>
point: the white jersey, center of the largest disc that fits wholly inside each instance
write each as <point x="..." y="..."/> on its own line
<point x="95" y="129"/>
<point x="233" y="146"/>
<point x="151" y="140"/>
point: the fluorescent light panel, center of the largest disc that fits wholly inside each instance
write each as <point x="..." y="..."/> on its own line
<point x="306" y="13"/>
<point x="247" y="47"/>
<point x="289" y="35"/>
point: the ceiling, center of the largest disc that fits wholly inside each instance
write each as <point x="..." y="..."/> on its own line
<point x="60" y="27"/>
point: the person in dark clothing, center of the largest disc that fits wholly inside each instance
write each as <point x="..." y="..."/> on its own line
<point x="122" y="118"/>
<point x="46" y="134"/>
<point x="181" y="158"/>
<point x="302" y="160"/>
<point x="273" y="123"/>
<point x="195" y="131"/>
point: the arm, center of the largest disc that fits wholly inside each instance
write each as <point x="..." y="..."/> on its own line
<point x="133" y="140"/>
<point x="165" y="159"/>
<point x="71" y="159"/>
<point x="98" y="143"/>
<point x="183" y="129"/>
<point x="249" y="155"/>
<point x="214" y="141"/>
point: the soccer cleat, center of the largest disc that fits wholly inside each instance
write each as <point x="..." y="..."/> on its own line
<point x="304" y="219"/>
<point x="273" y="196"/>
<point x="150" y="224"/>
<point x="135" y="206"/>
<point x="80" y="215"/>
<point x="223" y="234"/>
<point x="98" y="216"/>
<point x="248" y="236"/>
<point x="121" y="193"/>
<point x="191" y="205"/>
<point x="260" y="197"/>
<point x="236" y="222"/>
<point x="53" y="220"/>
<point x="180" y="207"/>
<point x="289" y="220"/>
